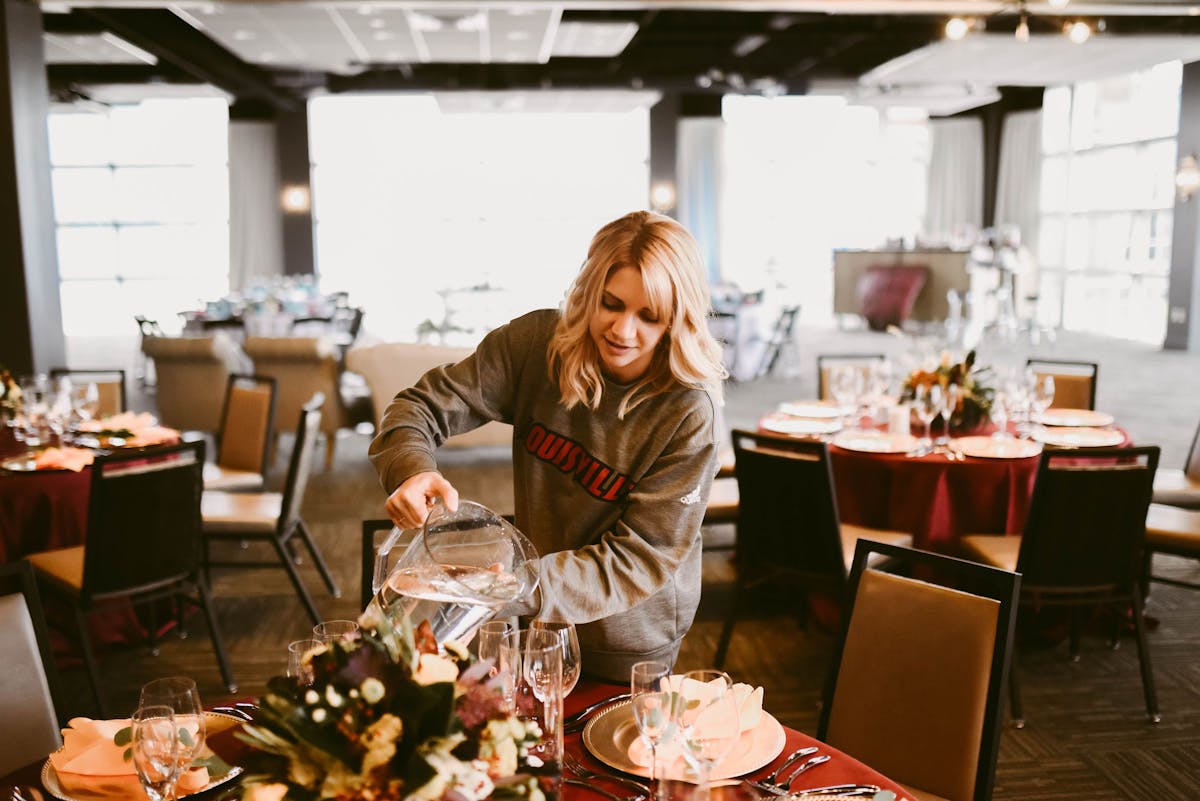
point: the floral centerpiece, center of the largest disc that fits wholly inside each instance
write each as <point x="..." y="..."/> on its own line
<point x="975" y="396"/>
<point x="388" y="717"/>
<point x="10" y="393"/>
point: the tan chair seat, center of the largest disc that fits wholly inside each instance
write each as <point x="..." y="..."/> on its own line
<point x="725" y="462"/>
<point x="852" y="534"/>
<point x="722" y="502"/>
<point x="996" y="550"/>
<point x="1174" y="488"/>
<point x="1172" y="528"/>
<point x="62" y="566"/>
<point x="227" y="478"/>
<point x="240" y="512"/>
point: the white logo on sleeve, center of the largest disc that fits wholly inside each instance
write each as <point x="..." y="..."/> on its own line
<point x="691" y="497"/>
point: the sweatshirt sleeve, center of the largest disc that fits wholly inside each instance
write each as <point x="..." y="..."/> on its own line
<point x="656" y="533"/>
<point x="449" y="400"/>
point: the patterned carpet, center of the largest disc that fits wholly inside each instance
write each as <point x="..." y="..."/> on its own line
<point x="1086" y="736"/>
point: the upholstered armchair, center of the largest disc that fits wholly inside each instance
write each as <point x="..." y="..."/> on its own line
<point x="191" y="377"/>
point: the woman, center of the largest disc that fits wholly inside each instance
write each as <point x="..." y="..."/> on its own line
<point x="614" y="407"/>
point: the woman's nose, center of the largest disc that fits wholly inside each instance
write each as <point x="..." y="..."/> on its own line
<point x="624" y="325"/>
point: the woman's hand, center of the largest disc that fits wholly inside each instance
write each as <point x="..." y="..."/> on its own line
<point x="409" y="505"/>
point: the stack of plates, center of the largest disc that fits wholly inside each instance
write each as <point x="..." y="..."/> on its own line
<point x="1079" y="437"/>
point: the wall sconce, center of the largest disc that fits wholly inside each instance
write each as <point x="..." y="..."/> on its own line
<point x="1187" y="178"/>
<point x="662" y="197"/>
<point x="295" y="199"/>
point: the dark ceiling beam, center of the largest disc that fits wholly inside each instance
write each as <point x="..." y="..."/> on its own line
<point x="175" y="42"/>
<point x="63" y="74"/>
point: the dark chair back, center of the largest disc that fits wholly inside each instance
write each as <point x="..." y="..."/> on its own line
<point x="29" y="693"/>
<point x="247" y="422"/>
<point x="916" y="685"/>
<point x="1086" y="528"/>
<point x="143" y="519"/>
<point x="788" y="519"/>
<point x="1074" y="382"/>
<point x="110" y="386"/>
<point x="371" y="531"/>
<point x="300" y="465"/>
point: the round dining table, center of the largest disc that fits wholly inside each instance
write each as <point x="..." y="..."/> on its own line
<point x="41" y="509"/>
<point x="840" y="769"/>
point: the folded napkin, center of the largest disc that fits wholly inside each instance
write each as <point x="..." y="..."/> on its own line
<point x="749" y="711"/>
<point x="91" y="765"/>
<point x="151" y="435"/>
<point x="125" y="421"/>
<point x="63" y="459"/>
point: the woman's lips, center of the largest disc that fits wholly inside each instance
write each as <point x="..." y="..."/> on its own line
<point x="615" y="348"/>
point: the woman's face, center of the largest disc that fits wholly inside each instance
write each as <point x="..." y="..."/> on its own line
<point x="625" y="329"/>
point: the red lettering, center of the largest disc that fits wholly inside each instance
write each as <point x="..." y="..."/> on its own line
<point x="568" y="457"/>
<point x="614" y="490"/>
<point x="595" y="487"/>
<point x="550" y="447"/>
<point x="534" y="438"/>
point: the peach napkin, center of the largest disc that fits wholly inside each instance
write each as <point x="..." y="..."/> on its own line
<point x="749" y="712"/>
<point x="127" y="421"/>
<point x="90" y="765"/>
<point x="152" y="435"/>
<point x="63" y="459"/>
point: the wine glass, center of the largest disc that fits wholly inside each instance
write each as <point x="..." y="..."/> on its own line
<point x="950" y="397"/>
<point x="180" y="694"/>
<point x="1042" y="395"/>
<point x="1000" y="409"/>
<point x="533" y="658"/>
<point x="331" y="631"/>
<point x="569" y="641"/>
<point x="708" y="723"/>
<point x="298" y="669"/>
<point x="155" y="749"/>
<point x="846" y="386"/>
<point x="927" y="401"/>
<point x="85" y="401"/>
<point x="653" y="708"/>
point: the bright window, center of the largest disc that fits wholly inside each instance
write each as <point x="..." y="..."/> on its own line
<point x="445" y="225"/>
<point x="1107" y="202"/>
<point x="141" y="201"/>
<point x="806" y="175"/>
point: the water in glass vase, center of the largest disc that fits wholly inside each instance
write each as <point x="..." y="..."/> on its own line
<point x="455" y="600"/>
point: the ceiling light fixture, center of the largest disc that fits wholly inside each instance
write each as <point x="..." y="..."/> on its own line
<point x="1058" y="3"/>
<point x="957" y="28"/>
<point x="1078" y="31"/>
<point x="1022" y="31"/>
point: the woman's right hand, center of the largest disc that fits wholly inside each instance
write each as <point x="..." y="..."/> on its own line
<point x="409" y="505"/>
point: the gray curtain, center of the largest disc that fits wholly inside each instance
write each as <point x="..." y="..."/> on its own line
<point x="255" y="216"/>
<point x="701" y="143"/>
<point x="954" y="203"/>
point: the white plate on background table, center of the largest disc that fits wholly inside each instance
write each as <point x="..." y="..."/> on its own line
<point x="1074" y="417"/>
<point x="784" y="424"/>
<point x="811" y="408"/>
<point x="213" y="721"/>
<point x="990" y="448"/>
<point x="1079" y="437"/>
<point x="609" y="734"/>
<point x="875" y="441"/>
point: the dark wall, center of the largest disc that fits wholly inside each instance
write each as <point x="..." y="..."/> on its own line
<point x="1182" y="287"/>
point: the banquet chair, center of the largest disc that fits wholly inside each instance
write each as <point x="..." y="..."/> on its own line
<point x="1074" y="382"/>
<point x="933" y="652"/>
<point x="781" y="337"/>
<point x="1175" y="531"/>
<point x="1180" y="487"/>
<point x="272" y="516"/>
<point x="244" y="439"/>
<point x="143" y="543"/>
<point x="29" y="694"/>
<point x="788" y="531"/>
<point x="110" y="385"/>
<point x="1083" y="544"/>
<point x="192" y="373"/>
<point x="826" y="362"/>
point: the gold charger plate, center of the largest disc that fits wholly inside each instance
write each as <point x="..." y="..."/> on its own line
<point x="990" y="448"/>
<point x="1079" y="437"/>
<point x="213" y="722"/>
<point x="875" y="441"/>
<point x="609" y="734"/>
<point x="1074" y="418"/>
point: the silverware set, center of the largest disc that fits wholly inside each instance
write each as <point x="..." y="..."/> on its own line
<point x="576" y="722"/>
<point x="578" y="769"/>
<point x="951" y="452"/>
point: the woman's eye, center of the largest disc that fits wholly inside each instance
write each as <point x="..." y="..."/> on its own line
<point x="648" y="318"/>
<point x="610" y="304"/>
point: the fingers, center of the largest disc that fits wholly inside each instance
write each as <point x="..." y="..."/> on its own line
<point x="409" y="505"/>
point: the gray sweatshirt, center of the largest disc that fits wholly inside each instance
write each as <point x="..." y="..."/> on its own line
<point x="613" y="506"/>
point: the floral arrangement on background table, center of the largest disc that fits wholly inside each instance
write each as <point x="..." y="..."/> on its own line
<point x="975" y="396"/>
<point x="10" y="393"/>
<point x="388" y="717"/>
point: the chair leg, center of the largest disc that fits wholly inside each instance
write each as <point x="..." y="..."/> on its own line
<point x="727" y="629"/>
<point x="1014" y="694"/>
<point x="152" y="628"/>
<point x="318" y="559"/>
<point x="1139" y="627"/>
<point x="1076" y="614"/>
<point x="89" y="660"/>
<point x="214" y="634"/>
<point x="294" y="574"/>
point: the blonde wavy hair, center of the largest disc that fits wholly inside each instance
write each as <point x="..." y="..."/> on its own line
<point x="666" y="256"/>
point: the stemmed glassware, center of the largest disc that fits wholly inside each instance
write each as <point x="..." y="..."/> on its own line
<point x="180" y="695"/>
<point x="569" y="641"/>
<point x="846" y="386"/>
<point x="491" y="637"/>
<point x="299" y="670"/>
<point x="927" y="400"/>
<point x="951" y="394"/>
<point x="708" y="724"/>
<point x="654" y="709"/>
<point x="330" y="631"/>
<point x="538" y="656"/>
<point x="1042" y="395"/>
<point x="1000" y="410"/>
<point x="155" y="749"/>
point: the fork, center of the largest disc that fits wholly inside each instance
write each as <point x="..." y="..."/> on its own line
<point x="805" y="765"/>
<point x="787" y="763"/>
<point x="572" y="763"/>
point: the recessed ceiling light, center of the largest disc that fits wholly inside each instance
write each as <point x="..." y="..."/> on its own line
<point x="1078" y="32"/>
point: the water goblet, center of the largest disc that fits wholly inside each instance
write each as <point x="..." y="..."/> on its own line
<point x="180" y="694"/>
<point x="331" y="631"/>
<point x="1042" y="395"/>
<point x="300" y="669"/>
<point x="708" y="724"/>
<point x="532" y="661"/>
<point x="155" y="749"/>
<point x="846" y="386"/>
<point x="951" y="395"/>
<point x="85" y="401"/>
<point x="491" y="637"/>
<point x="1000" y="411"/>
<point x="569" y="640"/>
<point x="927" y="400"/>
<point x="654" y="709"/>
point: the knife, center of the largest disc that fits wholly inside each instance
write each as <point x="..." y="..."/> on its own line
<point x="836" y="789"/>
<point x="577" y="721"/>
